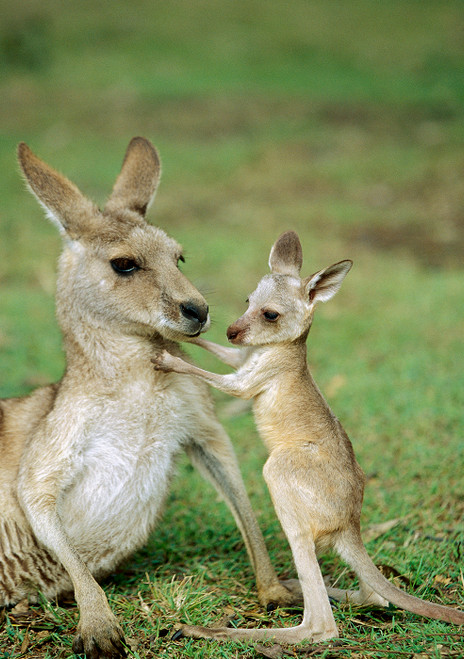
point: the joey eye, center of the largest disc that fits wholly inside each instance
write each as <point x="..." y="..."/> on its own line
<point x="124" y="266"/>
<point x="271" y="315"/>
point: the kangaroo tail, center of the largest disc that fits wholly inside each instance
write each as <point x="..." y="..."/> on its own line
<point x="352" y="550"/>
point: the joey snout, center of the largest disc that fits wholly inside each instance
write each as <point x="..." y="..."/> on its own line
<point x="236" y="332"/>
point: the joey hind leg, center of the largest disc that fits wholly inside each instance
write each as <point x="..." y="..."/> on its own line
<point x="295" y="518"/>
<point x="318" y="623"/>
<point x="215" y="459"/>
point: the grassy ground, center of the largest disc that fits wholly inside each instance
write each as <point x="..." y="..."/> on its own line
<point x="343" y="121"/>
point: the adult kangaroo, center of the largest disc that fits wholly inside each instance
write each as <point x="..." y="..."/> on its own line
<point x="85" y="464"/>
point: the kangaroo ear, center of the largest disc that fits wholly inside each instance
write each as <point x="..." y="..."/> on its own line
<point x="323" y="285"/>
<point x="63" y="202"/>
<point x="286" y="255"/>
<point x="136" y="184"/>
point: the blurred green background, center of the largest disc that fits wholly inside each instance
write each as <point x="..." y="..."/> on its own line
<point x="341" y="120"/>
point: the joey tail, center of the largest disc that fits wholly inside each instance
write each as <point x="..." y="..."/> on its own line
<point x="352" y="550"/>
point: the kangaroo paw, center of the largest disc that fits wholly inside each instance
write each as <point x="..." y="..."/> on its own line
<point x="102" y="639"/>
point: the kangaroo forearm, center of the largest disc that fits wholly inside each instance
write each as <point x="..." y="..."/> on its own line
<point x="49" y="530"/>
<point x="229" y="384"/>
<point x="230" y="356"/>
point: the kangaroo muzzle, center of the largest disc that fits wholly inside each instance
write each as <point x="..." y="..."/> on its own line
<point x="196" y="314"/>
<point x="236" y="332"/>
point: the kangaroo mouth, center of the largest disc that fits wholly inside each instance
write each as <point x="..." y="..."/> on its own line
<point x="201" y="327"/>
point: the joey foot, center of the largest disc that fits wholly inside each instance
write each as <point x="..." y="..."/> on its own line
<point x="165" y="362"/>
<point x="284" y="635"/>
<point x="326" y="635"/>
<point x="100" y="639"/>
<point x="195" y="631"/>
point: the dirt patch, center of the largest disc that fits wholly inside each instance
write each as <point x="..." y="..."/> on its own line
<point x="445" y="249"/>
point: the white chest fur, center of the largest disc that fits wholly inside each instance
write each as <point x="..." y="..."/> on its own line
<point x="124" y="469"/>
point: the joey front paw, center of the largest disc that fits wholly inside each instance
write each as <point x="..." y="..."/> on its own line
<point x="102" y="639"/>
<point x="163" y="361"/>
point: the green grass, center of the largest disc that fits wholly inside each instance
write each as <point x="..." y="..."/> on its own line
<point x="344" y="121"/>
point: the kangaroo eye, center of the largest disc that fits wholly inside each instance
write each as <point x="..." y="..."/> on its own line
<point x="124" y="266"/>
<point x="271" y="315"/>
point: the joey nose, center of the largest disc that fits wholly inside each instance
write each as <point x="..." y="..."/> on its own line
<point x="237" y="332"/>
<point x="232" y="332"/>
<point x="194" y="312"/>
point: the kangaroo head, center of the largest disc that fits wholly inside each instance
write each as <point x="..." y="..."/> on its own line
<point x="281" y="308"/>
<point x="116" y="270"/>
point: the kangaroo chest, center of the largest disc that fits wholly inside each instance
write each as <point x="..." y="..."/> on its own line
<point x="124" y="469"/>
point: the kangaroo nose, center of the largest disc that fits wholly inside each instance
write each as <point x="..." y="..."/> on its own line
<point x="193" y="312"/>
<point x="232" y="333"/>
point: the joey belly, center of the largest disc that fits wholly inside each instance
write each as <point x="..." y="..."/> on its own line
<point x="309" y="491"/>
<point x="282" y="419"/>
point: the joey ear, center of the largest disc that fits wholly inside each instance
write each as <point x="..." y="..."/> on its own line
<point x="286" y="255"/>
<point x="323" y="285"/>
<point x="136" y="184"/>
<point x="63" y="202"/>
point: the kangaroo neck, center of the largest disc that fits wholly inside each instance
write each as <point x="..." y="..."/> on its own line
<point x="107" y="354"/>
<point x="282" y="357"/>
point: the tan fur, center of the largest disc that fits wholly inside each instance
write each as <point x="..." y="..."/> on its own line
<point x="85" y="464"/>
<point x="312" y="474"/>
